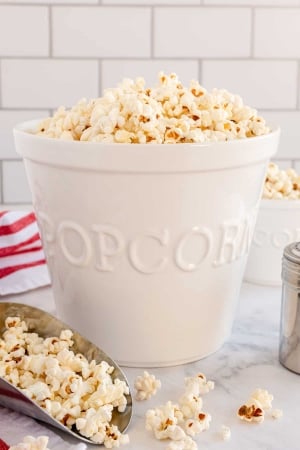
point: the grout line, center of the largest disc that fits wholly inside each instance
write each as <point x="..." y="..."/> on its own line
<point x="283" y="110"/>
<point x="298" y="87"/>
<point x="19" y="159"/>
<point x="100" y="76"/>
<point x="0" y="84"/>
<point x="136" y="5"/>
<point x="16" y="203"/>
<point x="296" y="161"/>
<point x="155" y="58"/>
<point x="200" y="71"/>
<point x="284" y="158"/>
<point x="152" y="30"/>
<point x="50" y="23"/>
<point x="25" y="108"/>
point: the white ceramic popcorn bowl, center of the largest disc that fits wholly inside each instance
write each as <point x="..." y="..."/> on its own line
<point x="147" y="244"/>
<point x="278" y="224"/>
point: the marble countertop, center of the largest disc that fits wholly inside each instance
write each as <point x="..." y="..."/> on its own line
<point x="247" y="361"/>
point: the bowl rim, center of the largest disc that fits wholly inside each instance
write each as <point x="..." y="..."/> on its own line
<point x="28" y="126"/>
<point x="144" y="158"/>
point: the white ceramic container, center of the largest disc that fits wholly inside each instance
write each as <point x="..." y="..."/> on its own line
<point x="147" y="244"/>
<point x="278" y="224"/>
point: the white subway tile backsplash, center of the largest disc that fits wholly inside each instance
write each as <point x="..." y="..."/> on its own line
<point x="16" y="206"/>
<point x="114" y="71"/>
<point x="24" y="31"/>
<point x="297" y="166"/>
<point x="262" y="84"/>
<point x="283" y="164"/>
<point x="101" y="31"/>
<point x="151" y="2"/>
<point x="47" y="83"/>
<point x="281" y="38"/>
<point x="8" y="119"/>
<point x="55" y="52"/>
<point x="15" y="185"/>
<point x="252" y="2"/>
<point x="289" y="146"/>
<point x="52" y="2"/>
<point x="202" y="32"/>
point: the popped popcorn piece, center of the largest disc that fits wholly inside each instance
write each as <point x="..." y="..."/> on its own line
<point x="254" y="409"/>
<point x="198" y="385"/>
<point x="146" y="386"/>
<point x="167" y="113"/>
<point x="190" y="405"/>
<point x="281" y="184"/>
<point x="31" y="443"/>
<point x="186" y="444"/>
<point x="263" y="397"/>
<point x="76" y="392"/>
<point x="197" y="425"/>
<point x="114" y="438"/>
<point x="277" y="413"/>
<point x="163" y="422"/>
<point x="251" y="413"/>
<point x="225" y="433"/>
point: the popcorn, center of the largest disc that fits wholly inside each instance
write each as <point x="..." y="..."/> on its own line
<point x="31" y="443"/>
<point x="113" y="438"/>
<point x="185" y="444"/>
<point x="180" y="422"/>
<point x="277" y="413"/>
<point x="198" y="385"/>
<point x="167" y="113"/>
<point x="197" y="425"/>
<point x="190" y="405"/>
<point x="80" y="394"/>
<point x="251" y="413"/>
<point x="225" y="433"/>
<point x="263" y="398"/>
<point x="163" y="421"/>
<point x="281" y="184"/>
<point x="254" y="409"/>
<point x="146" y="386"/>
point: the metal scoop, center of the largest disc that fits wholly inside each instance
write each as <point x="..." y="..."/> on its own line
<point x="46" y="325"/>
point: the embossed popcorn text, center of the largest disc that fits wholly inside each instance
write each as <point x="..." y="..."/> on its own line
<point x="104" y="245"/>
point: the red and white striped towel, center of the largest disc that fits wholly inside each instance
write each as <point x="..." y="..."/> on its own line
<point x="22" y="260"/>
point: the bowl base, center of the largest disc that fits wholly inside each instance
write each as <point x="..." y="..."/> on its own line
<point x="179" y="362"/>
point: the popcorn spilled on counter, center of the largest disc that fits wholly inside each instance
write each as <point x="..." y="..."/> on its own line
<point x="251" y="413"/>
<point x="181" y="421"/>
<point x="263" y="398"/>
<point x="281" y="184"/>
<point x="31" y="443"/>
<point x="167" y="113"/>
<point x="225" y="433"/>
<point x="80" y="394"/>
<point x="146" y="386"/>
<point x="277" y="413"/>
<point x="254" y="409"/>
<point x="186" y="444"/>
